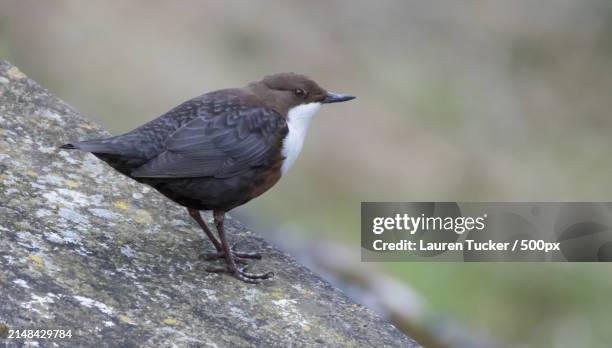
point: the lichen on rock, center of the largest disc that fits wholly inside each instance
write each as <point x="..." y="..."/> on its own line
<point x="87" y="249"/>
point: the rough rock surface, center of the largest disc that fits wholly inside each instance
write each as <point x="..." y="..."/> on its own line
<point x="86" y="249"/>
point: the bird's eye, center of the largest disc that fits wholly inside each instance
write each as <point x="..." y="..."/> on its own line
<point x="299" y="92"/>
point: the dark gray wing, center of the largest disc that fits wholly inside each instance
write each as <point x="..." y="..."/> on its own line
<point x="222" y="146"/>
<point x="148" y="140"/>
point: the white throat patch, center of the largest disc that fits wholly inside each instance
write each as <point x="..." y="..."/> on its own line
<point x="298" y="121"/>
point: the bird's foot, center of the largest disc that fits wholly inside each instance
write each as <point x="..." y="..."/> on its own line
<point x="238" y="256"/>
<point x="240" y="273"/>
<point x="231" y="267"/>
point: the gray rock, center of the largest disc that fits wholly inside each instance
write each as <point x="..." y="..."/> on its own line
<point x="86" y="249"/>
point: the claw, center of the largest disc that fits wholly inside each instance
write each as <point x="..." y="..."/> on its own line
<point x="219" y="256"/>
<point x="242" y="274"/>
<point x="237" y="255"/>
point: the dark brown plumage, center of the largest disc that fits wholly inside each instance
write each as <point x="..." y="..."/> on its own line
<point x="216" y="151"/>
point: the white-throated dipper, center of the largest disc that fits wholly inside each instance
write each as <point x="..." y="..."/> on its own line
<point x="220" y="150"/>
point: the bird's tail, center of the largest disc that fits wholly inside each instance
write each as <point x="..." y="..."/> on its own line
<point x="96" y="146"/>
<point x="68" y="146"/>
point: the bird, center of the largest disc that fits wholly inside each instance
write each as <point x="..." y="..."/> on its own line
<point x="220" y="150"/>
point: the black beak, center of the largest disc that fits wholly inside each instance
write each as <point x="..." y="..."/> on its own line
<point x="336" y="98"/>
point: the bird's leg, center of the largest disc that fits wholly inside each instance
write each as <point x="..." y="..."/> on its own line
<point x="195" y="214"/>
<point x="230" y="263"/>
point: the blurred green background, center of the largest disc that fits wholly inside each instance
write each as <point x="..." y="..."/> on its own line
<point x="457" y="101"/>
